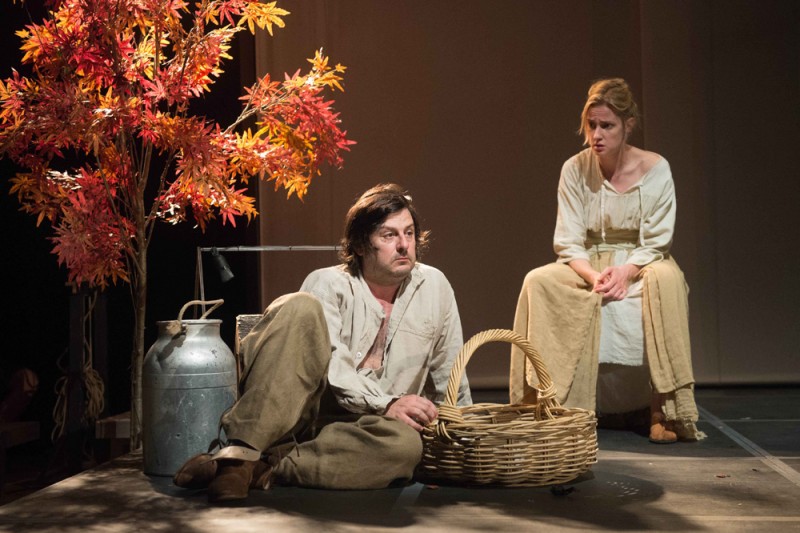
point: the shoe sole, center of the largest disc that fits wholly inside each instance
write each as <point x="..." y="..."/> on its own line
<point x="663" y="441"/>
<point x="225" y="498"/>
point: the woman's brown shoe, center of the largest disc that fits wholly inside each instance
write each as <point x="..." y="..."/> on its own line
<point x="659" y="430"/>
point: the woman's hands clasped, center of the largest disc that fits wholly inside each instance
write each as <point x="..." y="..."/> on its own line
<point x="613" y="282"/>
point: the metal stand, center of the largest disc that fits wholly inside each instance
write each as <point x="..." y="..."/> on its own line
<point x="200" y="289"/>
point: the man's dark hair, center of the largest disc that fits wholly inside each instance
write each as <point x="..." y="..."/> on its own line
<point x="367" y="214"/>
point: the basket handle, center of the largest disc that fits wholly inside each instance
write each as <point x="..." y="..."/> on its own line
<point x="546" y="391"/>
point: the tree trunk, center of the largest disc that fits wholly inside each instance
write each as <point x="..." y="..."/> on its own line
<point x="139" y="294"/>
<point x="137" y="355"/>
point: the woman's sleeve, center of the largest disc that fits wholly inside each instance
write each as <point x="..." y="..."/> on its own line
<point x="570" y="234"/>
<point x="658" y="222"/>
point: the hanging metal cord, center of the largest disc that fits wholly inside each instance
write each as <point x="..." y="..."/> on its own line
<point x="94" y="388"/>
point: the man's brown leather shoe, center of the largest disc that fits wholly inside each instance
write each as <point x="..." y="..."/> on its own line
<point x="229" y="474"/>
<point x="196" y="473"/>
<point x="232" y="481"/>
<point x="236" y="478"/>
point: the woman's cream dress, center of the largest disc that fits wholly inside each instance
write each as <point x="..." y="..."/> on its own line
<point x="606" y="357"/>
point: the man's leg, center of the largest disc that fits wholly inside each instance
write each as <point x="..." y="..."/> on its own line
<point x="370" y="453"/>
<point x="286" y="358"/>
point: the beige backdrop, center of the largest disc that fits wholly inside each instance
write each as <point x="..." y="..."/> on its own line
<point x="473" y="106"/>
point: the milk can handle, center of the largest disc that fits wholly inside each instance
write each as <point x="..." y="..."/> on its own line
<point x="186" y="306"/>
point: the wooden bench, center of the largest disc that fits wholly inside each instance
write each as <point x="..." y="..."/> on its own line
<point x="244" y="323"/>
<point x="13" y="434"/>
<point x="16" y="433"/>
<point x="116" y="430"/>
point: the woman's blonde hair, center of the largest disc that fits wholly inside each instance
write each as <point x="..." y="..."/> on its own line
<point x="615" y="93"/>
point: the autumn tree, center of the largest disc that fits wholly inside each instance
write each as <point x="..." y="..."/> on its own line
<point x="103" y="116"/>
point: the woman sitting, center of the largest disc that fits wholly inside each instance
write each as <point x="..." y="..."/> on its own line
<point x="610" y="317"/>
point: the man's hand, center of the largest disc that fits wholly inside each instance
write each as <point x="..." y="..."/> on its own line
<point x="414" y="410"/>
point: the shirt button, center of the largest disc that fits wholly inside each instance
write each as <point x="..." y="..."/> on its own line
<point x="358" y="355"/>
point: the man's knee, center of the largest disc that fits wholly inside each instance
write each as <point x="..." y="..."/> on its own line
<point x="300" y="309"/>
<point x="409" y="447"/>
<point x="402" y="443"/>
<point x="296" y="303"/>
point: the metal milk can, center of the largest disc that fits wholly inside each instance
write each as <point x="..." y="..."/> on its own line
<point x="189" y="380"/>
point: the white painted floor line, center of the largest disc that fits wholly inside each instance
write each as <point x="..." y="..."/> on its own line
<point x="759" y="420"/>
<point x="767" y="458"/>
<point x="757" y="519"/>
<point x="408" y="496"/>
<point x="628" y="456"/>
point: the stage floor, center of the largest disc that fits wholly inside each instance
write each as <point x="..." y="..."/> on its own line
<point x="744" y="477"/>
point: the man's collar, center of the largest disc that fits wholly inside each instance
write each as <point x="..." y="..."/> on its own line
<point x="414" y="279"/>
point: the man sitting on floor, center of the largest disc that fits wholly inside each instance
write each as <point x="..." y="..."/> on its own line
<point x="380" y="332"/>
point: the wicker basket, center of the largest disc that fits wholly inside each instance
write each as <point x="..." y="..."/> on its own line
<point x="512" y="445"/>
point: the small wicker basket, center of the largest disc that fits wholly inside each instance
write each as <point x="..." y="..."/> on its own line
<point x="512" y="445"/>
